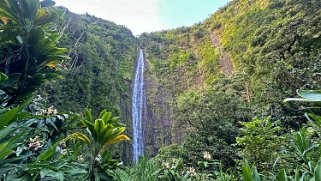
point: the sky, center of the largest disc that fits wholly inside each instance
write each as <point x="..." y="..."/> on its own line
<point x="146" y="15"/>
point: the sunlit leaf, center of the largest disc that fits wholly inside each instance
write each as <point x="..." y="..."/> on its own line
<point x="7" y="117"/>
<point x="307" y="96"/>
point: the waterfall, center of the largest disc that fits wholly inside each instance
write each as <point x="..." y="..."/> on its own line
<point x="137" y="108"/>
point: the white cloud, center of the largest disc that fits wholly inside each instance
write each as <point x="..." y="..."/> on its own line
<point x="138" y="15"/>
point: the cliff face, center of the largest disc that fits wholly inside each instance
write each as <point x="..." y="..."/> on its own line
<point x="261" y="50"/>
<point x="99" y="74"/>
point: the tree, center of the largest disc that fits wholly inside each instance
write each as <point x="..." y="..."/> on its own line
<point x="260" y="141"/>
<point x="212" y="126"/>
<point x="28" y="50"/>
<point x="101" y="133"/>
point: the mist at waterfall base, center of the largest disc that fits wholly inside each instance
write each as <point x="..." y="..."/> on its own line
<point x="137" y="108"/>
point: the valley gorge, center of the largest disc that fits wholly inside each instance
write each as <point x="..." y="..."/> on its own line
<point x="227" y="55"/>
<point x="234" y="97"/>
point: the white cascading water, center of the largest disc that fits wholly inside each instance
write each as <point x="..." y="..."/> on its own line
<point x="137" y="108"/>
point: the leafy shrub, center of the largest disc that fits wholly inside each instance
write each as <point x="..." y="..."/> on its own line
<point x="261" y="141"/>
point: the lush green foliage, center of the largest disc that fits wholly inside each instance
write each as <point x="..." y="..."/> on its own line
<point x="212" y="128"/>
<point x="102" y="133"/>
<point x="33" y="141"/>
<point x="272" y="48"/>
<point x="100" y="71"/>
<point x="28" y="50"/>
<point x="261" y="140"/>
<point x="204" y="85"/>
<point x="238" y="64"/>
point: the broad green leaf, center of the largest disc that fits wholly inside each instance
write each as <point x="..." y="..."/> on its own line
<point x="310" y="94"/>
<point x="246" y="172"/>
<point x="4" y="153"/>
<point x="99" y="127"/>
<point x="108" y="130"/>
<point x="102" y="113"/>
<point x="79" y="136"/>
<point x="281" y="176"/>
<point x="46" y="155"/>
<point x="256" y="175"/>
<point x="317" y="172"/>
<point x="10" y="81"/>
<point x="113" y="120"/>
<point x="3" y="146"/>
<point x="5" y="131"/>
<point x="75" y="171"/>
<point x="3" y="77"/>
<point x="116" y="132"/>
<point x="88" y="115"/>
<point x="117" y="139"/>
<point x="106" y="117"/>
<point x="49" y="153"/>
<point x="52" y="174"/>
<point x="307" y="96"/>
<point x="6" y="118"/>
<point x="89" y="125"/>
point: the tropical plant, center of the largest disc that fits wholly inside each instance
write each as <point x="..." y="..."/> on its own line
<point x="145" y="170"/>
<point x="100" y="134"/>
<point x="29" y="56"/>
<point x="25" y="148"/>
<point x="28" y="51"/>
<point x="10" y="131"/>
<point x="213" y="128"/>
<point x="260" y="141"/>
<point x="50" y="165"/>
<point x="152" y="170"/>
<point x="250" y="173"/>
<point x="223" y="175"/>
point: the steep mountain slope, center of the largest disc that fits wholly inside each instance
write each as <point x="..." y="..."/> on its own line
<point x="99" y="74"/>
<point x="239" y="63"/>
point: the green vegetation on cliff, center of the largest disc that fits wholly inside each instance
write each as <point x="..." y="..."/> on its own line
<point x="238" y="64"/>
<point x="100" y="71"/>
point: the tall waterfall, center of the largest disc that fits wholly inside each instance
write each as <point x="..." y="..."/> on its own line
<point x="137" y="108"/>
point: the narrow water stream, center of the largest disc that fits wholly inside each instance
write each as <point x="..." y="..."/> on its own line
<point x="137" y="108"/>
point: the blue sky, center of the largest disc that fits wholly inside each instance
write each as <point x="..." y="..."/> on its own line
<point x="147" y="15"/>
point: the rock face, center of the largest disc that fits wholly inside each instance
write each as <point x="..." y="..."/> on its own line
<point x="160" y="129"/>
<point x="173" y="67"/>
<point x="226" y="63"/>
<point x="162" y="88"/>
<point x="252" y="48"/>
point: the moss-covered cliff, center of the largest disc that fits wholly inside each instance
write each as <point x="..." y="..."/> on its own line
<point x="251" y="53"/>
<point x="99" y="74"/>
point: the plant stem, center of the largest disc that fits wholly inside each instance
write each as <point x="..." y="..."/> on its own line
<point x="27" y="58"/>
